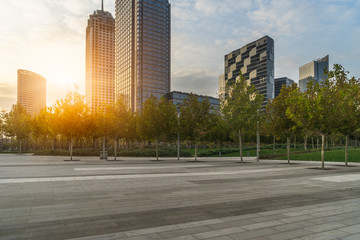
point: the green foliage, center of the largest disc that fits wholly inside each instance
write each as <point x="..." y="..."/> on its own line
<point x="157" y="120"/>
<point x="196" y="119"/>
<point x="71" y="115"/>
<point x="17" y="123"/>
<point x="278" y="122"/>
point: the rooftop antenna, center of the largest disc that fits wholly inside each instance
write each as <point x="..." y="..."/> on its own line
<point x="102" y="5"/>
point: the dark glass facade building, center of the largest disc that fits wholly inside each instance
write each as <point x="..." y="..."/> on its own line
<point x="142" y="50"/>
<point x="177" y="98"/>
<point x="280" y="82"/>
<point x="256" y="63"/>
<point x="313" y="70"/>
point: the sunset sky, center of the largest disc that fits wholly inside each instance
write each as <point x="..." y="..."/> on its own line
<point x="48" y="37"/>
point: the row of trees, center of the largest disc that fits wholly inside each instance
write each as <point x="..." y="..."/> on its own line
<point x="329" y="107"/>
<point x="325" y="108"/>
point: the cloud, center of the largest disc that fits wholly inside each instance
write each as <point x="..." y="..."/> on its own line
<point x="200" y="81"/>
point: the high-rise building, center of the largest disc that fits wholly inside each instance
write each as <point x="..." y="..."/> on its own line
<point x="256" y="63"/>
<point x="100" y="60"/>
<point x="222" y="87"/>
<point x="31" y="91"/>
<point x="313" y="71"/>
<point x="142" y="46"/>
<point x="280" y="82"/>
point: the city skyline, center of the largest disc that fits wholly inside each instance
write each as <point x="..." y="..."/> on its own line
<point x="49" y="38"/>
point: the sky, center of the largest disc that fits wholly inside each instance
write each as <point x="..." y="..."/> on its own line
<point x="48" y="37"/>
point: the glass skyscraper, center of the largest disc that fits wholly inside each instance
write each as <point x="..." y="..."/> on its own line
<point x="280" y="82"/>
<point x="256" y="63"/>
<point x="142" y="50"/>
<point x="313" y="70"/>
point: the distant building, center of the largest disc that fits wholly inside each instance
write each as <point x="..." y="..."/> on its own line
<point x="222" y="87"/>
<point x="279" y="82"/>
<point x="143" y="49"/>
<point x="313" y="70"/>
<point x="177" y="98"/>
<point x="100" y="60"/>
<point x="256" y="63"/>
<point x="31" y="91"/>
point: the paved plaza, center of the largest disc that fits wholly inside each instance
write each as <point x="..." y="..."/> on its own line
<point x="215" y="198"/>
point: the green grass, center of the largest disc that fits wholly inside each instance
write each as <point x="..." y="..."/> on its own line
<point x="264" y="153"/>
<point x="331" y="156"/>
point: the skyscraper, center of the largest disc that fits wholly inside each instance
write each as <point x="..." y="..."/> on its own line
<point x="256" y="63"/>
<point x="142" y="64"/>
<point x="100" y="60"/>
<point x="313" y="70"/>
<point x="222" y="87"/>
<point x="280" y="82"/>
<point x="31" y="91"/>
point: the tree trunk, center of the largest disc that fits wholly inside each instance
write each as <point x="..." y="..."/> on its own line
<point x="178" y="145"/>
<point x="71" y="149"/>
<point x="274" y="143"/>
<point x="288" y="148"/>
<point x="240" y="147"/>
<point x="115" y="149"/>
<point x="317" y="143"/>
<point x="104" y="148"/>
<point x="219" y="147"/>
<point x="322" y="151"/>
<point x="312" y="142"/>
<point x="346" y="150"/>
<point x="53" y="144"/>
<point x="196" y="150"/>
<point x="327" y="142"/>
<point x="20" y="152"/>
<point x="295" y="142"/>
<point x="305" y="142"/>
<point x="157" y="150"/>
<point x="257" y="143"/>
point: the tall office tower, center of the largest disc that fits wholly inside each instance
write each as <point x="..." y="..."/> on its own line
<point x="100" y="60"/>
<point x="142" y="46"/>
<point x="313" y="70"/>
<point x="31" y="91"/>
<point x="256" y="63"/>
<point x="222" y="87"/>
<point x="280" y="82"/>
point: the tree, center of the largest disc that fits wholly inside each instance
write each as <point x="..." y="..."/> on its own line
<point x="315" y="110"/>
<point x="219" y="129"/>
<point x="43" y="125"/>
<point x="120" y="120"/>
<point x="242" y="108"/>
<point x="157" y="121"/>
<point x="347" y="94"/>
<point x="277" y="120"/>
<point x="17" y="123"/>
<point x="195" y="119"/>
<point x="72" y="113"/>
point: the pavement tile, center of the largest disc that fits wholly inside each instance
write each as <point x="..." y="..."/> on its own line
<point x="218" y="233"/>
<point x="351" y="229"/>
<point x="324" y="227"/>
<point x="328" y="235"/>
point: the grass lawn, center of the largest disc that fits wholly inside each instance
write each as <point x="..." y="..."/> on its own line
<point x="263" y="152"/>
<point x="330" y="156"/>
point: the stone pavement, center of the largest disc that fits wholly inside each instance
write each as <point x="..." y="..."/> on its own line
<point x="216" y="198"/>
